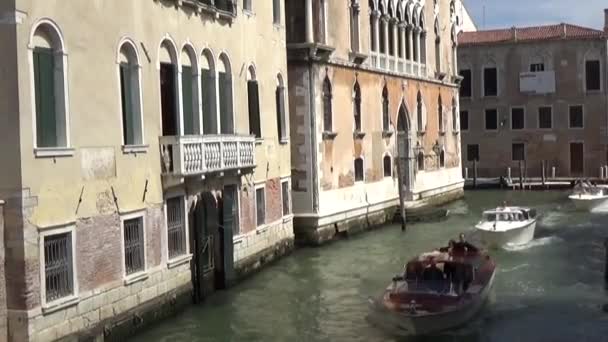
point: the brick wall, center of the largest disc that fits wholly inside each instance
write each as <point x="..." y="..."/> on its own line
<point x="247" y="215"/>
<point x="3" y="318"/>
<point x="274" y="204"/>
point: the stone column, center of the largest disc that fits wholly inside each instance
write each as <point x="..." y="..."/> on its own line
<point x="402" y="33"/>
<point x="3" y="317"/>
<point x="385" y="38"/>
<point x="410" y="41"/>
<point x="417" y="44"/>
<point x="376" y="17"/>
<point x="396" y="38"/>
<point x="309" y="27"/>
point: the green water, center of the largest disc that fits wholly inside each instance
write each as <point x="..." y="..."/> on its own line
<point x="551" y="290"/>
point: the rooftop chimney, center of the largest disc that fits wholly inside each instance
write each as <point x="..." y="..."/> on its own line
<point x="606" y="21"/>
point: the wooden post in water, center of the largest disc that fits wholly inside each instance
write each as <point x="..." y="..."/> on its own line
<point x="542" y="167"/>
<point x="606" y="264"/>
<point x="553" y="172"/>
<point x="521" y="175"/>
<point x="475" y="174"/>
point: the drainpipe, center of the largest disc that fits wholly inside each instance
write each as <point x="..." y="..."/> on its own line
<point x="313" y="137"/>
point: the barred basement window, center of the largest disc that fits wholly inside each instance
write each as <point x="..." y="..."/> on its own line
<point x="134" y="245"/>
<point x="260" y="205"/>
<point x="176" y="232"/>
<point x="58" y="266"/>
<point x="388" y="166"/>
<point x="473" y="152"/>
<point x="285" y="197"/>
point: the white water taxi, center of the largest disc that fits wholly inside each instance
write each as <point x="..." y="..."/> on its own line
<point x="588" y="197"/>
<point x="507" y="226"/>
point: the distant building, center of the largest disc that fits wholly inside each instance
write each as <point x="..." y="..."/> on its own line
<point x="534" y="94"/>
<point x="371" y="83"/>
<point x="145" y="154"/>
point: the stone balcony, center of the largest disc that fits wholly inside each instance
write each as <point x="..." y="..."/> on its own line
<point x="202" y="155"/>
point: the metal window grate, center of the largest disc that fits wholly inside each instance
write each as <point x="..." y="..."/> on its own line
<point x="175" y="227"/>
<point x="134" y="245"/>
<point x="58" y="268"/>
<point x="260" y="206"/>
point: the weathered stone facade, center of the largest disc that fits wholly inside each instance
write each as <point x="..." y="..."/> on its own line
<point x="360" y="88"/>
<point x="555" y="57"/>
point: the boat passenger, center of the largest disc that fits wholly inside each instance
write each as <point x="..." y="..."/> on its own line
<point x="462" y="247"/>
<point x="433" y="276"/>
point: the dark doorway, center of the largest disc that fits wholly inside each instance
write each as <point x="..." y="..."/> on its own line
<point x="168" y="99"/>
<point x="577" y="159"/>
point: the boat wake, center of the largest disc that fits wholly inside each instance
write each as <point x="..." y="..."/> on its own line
<point x="518" y="267"/>
<point x="552" y="219"/>
<point x="534" y="243"/>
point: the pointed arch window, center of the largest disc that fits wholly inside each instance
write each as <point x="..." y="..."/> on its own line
<point x="373" y="21"/>
<point x="359" y="176"/>
<point x="419" y="114"/>
<point x="327" y="109"/>
<point x="420" y="161"/>
<point x="253" y="100"/>
<point x="454" y="115"/>
<point x="357" y="106"/>
<point x="442" y="158"/>
<point x="130" y="95"/>
<point x="440" y="124"/>
<point x="281" y="116"/>
<point x="354" y="25"/>
<point x="437" y="47"/>
<point x="385" y="110"/>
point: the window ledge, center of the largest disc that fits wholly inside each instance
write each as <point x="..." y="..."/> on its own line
<point x="421" y="133"/>
<point x="456" y="132"/>
<point x="135" y="149"/>
<point x="248" y="13"/>
<point x="136" y="277"/>
<point x="237" y="239"/>
<point x="329" y="135"/>
<point x="387" y="134"/>
<point x="180" y="260"/>
<point x="441" y="132"/>
<point x="50" y="152"/>
<point x="593" y="91"/>
<point x="358" y="135"/>
<point x="284" y="141"/>
<point x="259" y="141"/>
<point x="60" y="304"/>
<point x="288" y="218"/>
<point x="261" y="229"/>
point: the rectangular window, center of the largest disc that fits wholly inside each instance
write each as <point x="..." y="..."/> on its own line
<point x="260" y="205"/>
<point x="464" y="120"/>
<point x="592" y="75"/>
<point x="472" y="152"/>
<point x="285" y="196"/>
<point x="176" y="227"/>
<point x="44" y="83"/>
<point x="537" y="67"/>
<point x="247" y="5"/>
<point x="254" y="109"/>
<point x="276" y="12"/>
<point x="518" y="152"/>
<point x="168" y="99"/>
<point x="490" y="82"/>
<point x="58" y="266"/>
<point x="545" y="118"/>
<point x="388" y="167"/>
<point x="359" y="170"/>
<point x="133" y="231"/>
<point x="576" y="117"/>
<point x="465" y="85"/>
<point x="491" y="119"/>
<point x="517" y="118"/>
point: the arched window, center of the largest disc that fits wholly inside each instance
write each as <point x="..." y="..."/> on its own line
<point x="437" y="46"/>
<point x="130" y="95"/>
<point x="276" y="12"/>
<point x="420" y="161"/>
<point x="359" y="177"/>
<point x="209" y="93"/>
<point x="354" y="25"/>
<point x="442" y="158"/>
<point x="385" y="111"/>
<point x="327" y="110"/>
<point x="357" y="106"/>
<point x="440" y="115"/>
<point x="383" y="28"/>
<point x="373" y="22"/>
<point x="388" y="166"/>
<point x="253" y="101"/>
<point x="224" y="76"/>
<point x="419" y="114"/>
<point x="50" y="88"/>
<point x="190" y="102"/>
<point x="402" y="120"/>
<point x="391" y="24"/>
<point x="281" y="116"/>
<point x="454" y="115"/>
<point x="169" y="88"/>
<point x="323" y="21"/>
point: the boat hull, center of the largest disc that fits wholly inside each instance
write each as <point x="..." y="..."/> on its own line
<point x="588" y="203"/>
<point x="425" y="324"/>
<point x="516" y="236"/>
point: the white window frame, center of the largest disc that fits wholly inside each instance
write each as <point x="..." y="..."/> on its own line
<point x="187" y="256"/>
<point x="511" y="118"/>
<point x="60" y="303"/>
<point x="485" y="126"/>
<point x="62" y="92"/>
<point x="142" y="147"/>
<point x="483" y="81"/>
<point x="355" y="170"/>
<point x="262" y="226"/>
<point x="583" y="113"/>
<point x="598" y="59"/>
<point x="288" y="181"/>
<point x="141" y="275"/>
<point x="538" y="118"/>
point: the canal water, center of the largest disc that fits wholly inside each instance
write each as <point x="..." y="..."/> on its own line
<point x="550" y="290"/>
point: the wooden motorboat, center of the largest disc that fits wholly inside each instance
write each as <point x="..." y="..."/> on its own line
<point x="412" y="305"/>
<point x="507" y="226"/>
<point x="589" y="197"/>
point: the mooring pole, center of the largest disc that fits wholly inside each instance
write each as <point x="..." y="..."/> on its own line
<point x="542" y="166"/>
<point x="553" y="172"/>
<point x="521" y="175"/>
<point x="475" y="174"/>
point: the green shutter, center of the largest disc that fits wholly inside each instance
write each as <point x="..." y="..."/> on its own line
<point x="281" y="120"/>
<point x="187" y="96"/>
<point x="128" y="112"/>
<point x="209" y="107"/>
<point x="254" y="108"/>
<point x="46" y="116"/>
<point x="226" y="115"/>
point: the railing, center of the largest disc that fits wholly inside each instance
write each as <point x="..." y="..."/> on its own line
<point x="196" y="154"/>
<point x="415" y="68"/>
<point x="423" y="70"/>
<point x="374" y="59"/>
<point x="391" y="61"/>
<point x="382" y="62"/>
<point x="401" y="66"/>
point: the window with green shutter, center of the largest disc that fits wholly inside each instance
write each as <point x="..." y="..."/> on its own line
<point x="281" y="119"/>
<point x="254" y="108"/>
<point x="46" y="115"/>
<point x="226" y="111"/>
<point x="128" y="112"/>
<point x="209" y="107"/>
<point x="190" y="124"/>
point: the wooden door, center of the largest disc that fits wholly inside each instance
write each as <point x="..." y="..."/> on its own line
<point x="577" y="159"/>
